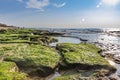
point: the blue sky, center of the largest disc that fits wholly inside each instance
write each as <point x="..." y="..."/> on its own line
<point x="60" y="13"/>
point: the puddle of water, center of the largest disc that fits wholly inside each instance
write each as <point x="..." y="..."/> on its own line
<point x="65" y="40"/>
<point x="56" y="74"/>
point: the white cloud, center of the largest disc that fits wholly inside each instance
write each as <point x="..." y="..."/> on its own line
<point x="59" y="5"/>
<point x="40" y="4"/>
<point x="36" y="4"/>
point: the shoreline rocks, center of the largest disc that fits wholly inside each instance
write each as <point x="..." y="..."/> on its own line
<point x="32" y="58"/>
<point x="41" y="61"/>
<point x="83" y="57"/>
<point x="35" y="59"/>
<point x="110" y="50"/>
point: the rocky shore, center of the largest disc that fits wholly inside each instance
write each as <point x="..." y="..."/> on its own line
<point x="111" y="52"/>
<point x="25" y="54"/>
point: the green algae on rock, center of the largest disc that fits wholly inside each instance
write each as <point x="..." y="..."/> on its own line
<point x="26" y="36"/>
<point x="8" y="66"/>
<point x="84" y="57"/>
<point x="83" y="53"/>
<point x="38" y="58"/>
<point x="9" y="71"/>
<point x="86" y="61"/>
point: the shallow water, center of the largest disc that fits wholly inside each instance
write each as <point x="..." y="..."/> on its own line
<point x="66" y="40"/>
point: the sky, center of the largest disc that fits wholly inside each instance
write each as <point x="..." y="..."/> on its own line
<point x="60" y="13"/>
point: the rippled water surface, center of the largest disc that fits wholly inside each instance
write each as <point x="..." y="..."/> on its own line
<point x="66" y="40"/>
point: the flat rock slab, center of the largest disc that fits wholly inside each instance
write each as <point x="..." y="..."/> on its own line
<point x="83" y="53"/>
<point x="32" y="58"/>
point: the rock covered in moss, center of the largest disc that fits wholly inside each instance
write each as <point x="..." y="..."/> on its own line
<point x="84" y="56"/>
<point x="81" y="53"/>
<point x="8" y="67"/>
<point x="9" y="71"/>
<point x="24" y="35"/>
<point x="33" y="58"/>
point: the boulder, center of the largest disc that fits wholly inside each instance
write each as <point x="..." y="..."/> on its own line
<point x="84" y="56"/>
<point x="85" y="62"/>
<point x="32" y="58"/>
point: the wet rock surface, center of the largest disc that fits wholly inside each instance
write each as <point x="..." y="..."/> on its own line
<point x="111" y="51"/>
<point x="77" y="74"/>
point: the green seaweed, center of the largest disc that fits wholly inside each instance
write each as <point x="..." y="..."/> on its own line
<point x="25" y="36"/>
<point x="83" y="53"/>
<point x="36" y="54"/>
<point x="9" y="71"/>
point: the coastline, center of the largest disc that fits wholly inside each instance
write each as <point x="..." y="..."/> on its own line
<point x="38" y="40"/>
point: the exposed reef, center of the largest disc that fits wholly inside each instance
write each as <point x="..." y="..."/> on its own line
<point x="26" y="53"/>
